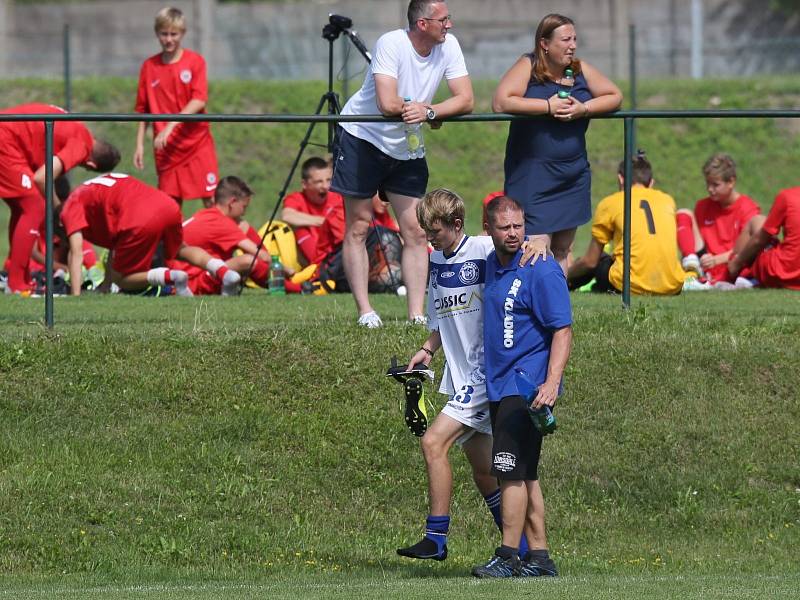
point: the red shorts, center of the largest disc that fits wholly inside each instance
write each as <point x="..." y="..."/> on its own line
<point x="136" y="243"/>
<point x="16" y="177"/>
<point x="203" y="283"/>
<point x="195" y="178"/>
<point x="766" y="273"/>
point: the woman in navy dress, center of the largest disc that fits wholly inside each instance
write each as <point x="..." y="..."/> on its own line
<point x="546" y="168"/>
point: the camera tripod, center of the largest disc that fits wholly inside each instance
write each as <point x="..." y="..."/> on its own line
<point x="336" y="25"/>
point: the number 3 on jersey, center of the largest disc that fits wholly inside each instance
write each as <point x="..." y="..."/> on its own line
<point x="464" y="395"/>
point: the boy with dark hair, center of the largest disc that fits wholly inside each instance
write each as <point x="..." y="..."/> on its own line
<point x="22" y="178"/>
<point x="706" y="236"/>
<point x="218" y="230"/>
<point x="306" y="210"/>
<point x="130" y="219"/>
<point x="174" y="81"/>
<point x="654" y="252"/>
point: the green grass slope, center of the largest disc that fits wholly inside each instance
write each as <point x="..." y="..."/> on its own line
<point x="256" y="438"/>
<point x="468" y="157"/>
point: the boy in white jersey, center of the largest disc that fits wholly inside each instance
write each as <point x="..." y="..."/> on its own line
<point x="455" y="319"/>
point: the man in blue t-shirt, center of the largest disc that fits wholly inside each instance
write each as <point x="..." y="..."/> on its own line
<point x="527" y="325"/>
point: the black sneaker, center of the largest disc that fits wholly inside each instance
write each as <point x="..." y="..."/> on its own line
<point x="498" y="567"/>
<point x="530" y="567"/>
<point x="416" y="416"/>
<point x="424" y="549"/>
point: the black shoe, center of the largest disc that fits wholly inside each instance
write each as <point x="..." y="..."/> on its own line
<point x="416" y="416"/>
<point x="530" y="567"/>
<point x="424" y="549"/>
<point x="497" y="567"/>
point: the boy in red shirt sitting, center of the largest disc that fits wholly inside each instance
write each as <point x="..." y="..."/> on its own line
<point x="773" y="263"/>
<point x="305" y="211"/>
<point x="707" y="236"/>
<point x="218" y="230"/>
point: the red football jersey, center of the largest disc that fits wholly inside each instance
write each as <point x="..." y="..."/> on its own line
<point x="780" y="266"/>
<point x="214" y="232"/>
<point x="300" y="203"/>
<point x="166" y="89"/>
<point x="106" y="205"/>
<point x="720" y="227"/>
<point x="22" y="147"/>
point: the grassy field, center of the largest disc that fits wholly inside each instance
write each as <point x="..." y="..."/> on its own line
<point x="468" y="157"/>
<point x="250" y="447"/>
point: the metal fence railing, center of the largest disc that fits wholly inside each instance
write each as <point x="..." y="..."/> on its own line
<point x="629" y="118"/>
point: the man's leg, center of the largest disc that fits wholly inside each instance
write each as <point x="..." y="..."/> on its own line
<point x="515" y="506"/>
<point x="415" y="252"/>
<point x="358" y="216"/>
<point x="436" y="442"/>
<point x="561" y="246"/>
<point x="537" y="561"/>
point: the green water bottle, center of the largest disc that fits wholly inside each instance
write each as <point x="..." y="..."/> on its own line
<point x="543" y="418"/>
<point x="277" y="282"/>
<point x="568" y="81"/>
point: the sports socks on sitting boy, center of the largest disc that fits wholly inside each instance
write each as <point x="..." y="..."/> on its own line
<point x="174" y="277"/>
<point x="230" y="279"/>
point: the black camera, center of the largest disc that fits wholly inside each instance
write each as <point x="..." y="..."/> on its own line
<point x="336" y="25"/>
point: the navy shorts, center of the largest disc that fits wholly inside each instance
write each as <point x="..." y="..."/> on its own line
<point x="517" y="443"/>
<point x="360" y="170"/>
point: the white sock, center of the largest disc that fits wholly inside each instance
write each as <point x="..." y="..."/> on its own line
<point x="230" y="283"/>
<point x="214" y="264"/>
<point x="180" y="279"/>
<point x="157" y="276"/>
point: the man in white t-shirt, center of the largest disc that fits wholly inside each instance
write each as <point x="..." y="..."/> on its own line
<point x="407" y="63"/>
<point x="455" y="319"/>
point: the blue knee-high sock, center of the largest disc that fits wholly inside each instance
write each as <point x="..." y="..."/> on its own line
<point x="436" y="528"/>
<point x="493" y="502"/>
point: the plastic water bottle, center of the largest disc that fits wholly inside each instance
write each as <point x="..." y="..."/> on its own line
<point x="277" y="283"/>
<point x="568" y="81"/>
<point x="414" y="139"/>
<point x="543" y="418"/>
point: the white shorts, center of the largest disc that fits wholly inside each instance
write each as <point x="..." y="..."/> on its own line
<point x="470" y="406"/>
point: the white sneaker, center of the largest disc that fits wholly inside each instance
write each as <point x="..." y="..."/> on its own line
<point x="743" y="283"/>
<point x="694" y="285"/>
<point x="418" y="320"/>
<point x="724" y="286"/>
<point x="692" y="263"/>
<point x="370" y="320"/>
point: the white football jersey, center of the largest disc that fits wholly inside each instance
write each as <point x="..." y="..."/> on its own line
<point x="455" y="308"/>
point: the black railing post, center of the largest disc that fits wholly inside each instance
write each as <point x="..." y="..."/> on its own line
<point x="626" y="223"/>
<point x="633" y="80"/>
<point x="48" y="255"/>
<point x="67" y="70"/>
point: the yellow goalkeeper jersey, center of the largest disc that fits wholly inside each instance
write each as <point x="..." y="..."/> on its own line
<point x="655" y="268"/>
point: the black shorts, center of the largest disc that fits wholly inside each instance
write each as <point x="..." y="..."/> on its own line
<point x="599" y="274"/>
<point x="360" y="170"/>
<point x="517" y="443"/>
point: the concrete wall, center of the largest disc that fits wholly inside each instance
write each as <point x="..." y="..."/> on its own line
<point x="282" y="40"/>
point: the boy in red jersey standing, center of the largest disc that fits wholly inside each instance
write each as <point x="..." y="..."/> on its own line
<point x="174" y="81"/>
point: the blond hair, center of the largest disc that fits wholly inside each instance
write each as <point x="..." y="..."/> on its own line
<point x="721" y="166"/>
<point x="168" y="18"/>
<point x="441" y="205"/>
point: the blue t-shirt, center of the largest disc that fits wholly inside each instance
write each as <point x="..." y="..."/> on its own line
<point x="523" y="306"/>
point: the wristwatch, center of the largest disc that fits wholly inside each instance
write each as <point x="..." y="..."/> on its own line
<point x="430" y="114"/>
